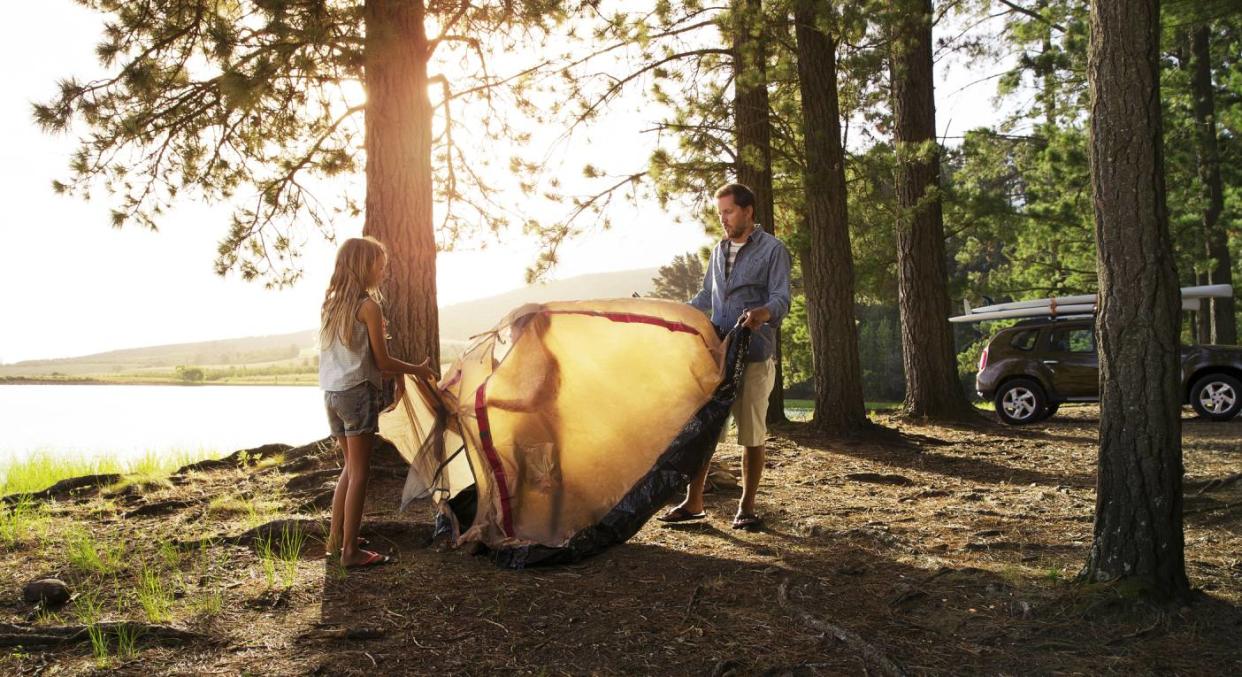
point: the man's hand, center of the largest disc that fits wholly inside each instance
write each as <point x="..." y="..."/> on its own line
<point x="755" y="317"/>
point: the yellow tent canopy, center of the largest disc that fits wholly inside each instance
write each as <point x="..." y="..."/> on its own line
<point x="564" y="428"/>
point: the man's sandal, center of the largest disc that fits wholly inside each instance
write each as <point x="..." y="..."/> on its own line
<point x="681" y="514"/>
<point x="748" y="521"/>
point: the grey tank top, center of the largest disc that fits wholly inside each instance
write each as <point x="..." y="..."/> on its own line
<point x="341" y="368"/>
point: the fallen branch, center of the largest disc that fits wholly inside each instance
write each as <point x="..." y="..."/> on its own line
<point x="871" y="656"/>
<point x="1213" y="485"/>
<point x="342" y="633"/>
<point x="1211" y="508"/>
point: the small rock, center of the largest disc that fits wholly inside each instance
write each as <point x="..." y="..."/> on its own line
<point x="50" y="591"/>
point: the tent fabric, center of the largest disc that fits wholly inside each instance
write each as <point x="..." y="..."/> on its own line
<point x="563" y="429"/>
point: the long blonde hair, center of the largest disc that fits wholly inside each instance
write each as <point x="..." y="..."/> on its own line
<point x="350" y="282"/>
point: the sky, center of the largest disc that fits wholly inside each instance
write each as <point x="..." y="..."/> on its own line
<point x="72" y="285"/>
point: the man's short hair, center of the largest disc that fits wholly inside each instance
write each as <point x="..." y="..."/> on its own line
<point x="742" y="195"/>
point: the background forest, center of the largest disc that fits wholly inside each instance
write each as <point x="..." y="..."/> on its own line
<point x="1016" y="195"/>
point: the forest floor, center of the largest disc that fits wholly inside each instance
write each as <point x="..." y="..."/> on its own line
<point x="926" y="550"/>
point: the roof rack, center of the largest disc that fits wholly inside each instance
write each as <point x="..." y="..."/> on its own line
<point x="1082" y="305"/>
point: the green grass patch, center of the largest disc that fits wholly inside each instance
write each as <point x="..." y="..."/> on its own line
<point x="279" y="556"/>
<point x="267" y="559"/>
<point x="89" y="609"/>
<point x="127" y="641"/>
<point x="42" y="469"/>
<point x="17" y="521"/>
<point x="292" y="540"/>
<point x="209" y="604"/>
<point x="91" y="556"/>
<point x="99" y="645"/>
<point x="228" y="506"/>
<point x="269" y="461"/>
<point x="153" y="596"/>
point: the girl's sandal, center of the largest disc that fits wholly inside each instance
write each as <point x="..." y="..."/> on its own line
<point x="373" y="559"/>
<point x="362" y="543"/>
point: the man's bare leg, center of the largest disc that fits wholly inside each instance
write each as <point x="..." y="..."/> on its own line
<point x="694" y="492"/>
<point x="752" y="469"/>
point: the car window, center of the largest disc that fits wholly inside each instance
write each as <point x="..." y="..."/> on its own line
<point x="1024" y="340"/>
<point x="1081" y="340"/>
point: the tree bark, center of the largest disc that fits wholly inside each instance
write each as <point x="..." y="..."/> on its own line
<point x="932" y="387"/>
<point x="1224" y="328"/>
<point x="1138" y="510"/>
<point x="398" y="148"/>
<point x="754" y="141"/>
<point x="828" y="262"/>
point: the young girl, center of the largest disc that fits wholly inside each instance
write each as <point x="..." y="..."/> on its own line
<point x="352" y="357"/>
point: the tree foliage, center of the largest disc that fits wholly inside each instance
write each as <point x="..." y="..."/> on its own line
<point x="680" y="280"/>
<point x="258" y="104"/>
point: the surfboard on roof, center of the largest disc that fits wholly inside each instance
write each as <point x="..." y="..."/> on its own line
<point x="1077" y="305"/>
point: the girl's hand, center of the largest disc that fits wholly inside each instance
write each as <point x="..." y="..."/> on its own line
<point x="398" y="393"/>
<point x="423" y="371"/>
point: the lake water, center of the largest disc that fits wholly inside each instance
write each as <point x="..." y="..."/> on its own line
<point x="126" y="422"/>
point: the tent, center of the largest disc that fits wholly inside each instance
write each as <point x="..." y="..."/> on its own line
<point x="566" y="427"/>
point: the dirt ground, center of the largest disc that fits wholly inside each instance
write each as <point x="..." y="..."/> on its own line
<point x="936" y="551"/>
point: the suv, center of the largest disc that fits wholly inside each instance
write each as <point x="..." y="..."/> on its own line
<point x="1029" y="369"/>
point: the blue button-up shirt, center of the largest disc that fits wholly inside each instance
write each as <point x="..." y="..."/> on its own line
<point x="760" y="277"/>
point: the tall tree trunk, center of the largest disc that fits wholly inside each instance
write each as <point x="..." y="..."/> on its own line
<point x="828" y="262"/>
<point x="932" y="386"/>
<point x="1138" y="509"/>
<point x="1224" y="328"/>
<point x="754" y="140"/>
<point x="398" y="147"/>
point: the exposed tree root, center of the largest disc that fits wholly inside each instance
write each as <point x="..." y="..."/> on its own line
<point x="871" y="656"/>
<point x="271" y="531"/>
<point x="37" y="636"/>
<point x="161" y="508"/>
<point x="235" y="458"/>
<point x="74" y="486"/>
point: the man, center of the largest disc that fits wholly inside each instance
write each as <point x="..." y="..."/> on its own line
<point x="747" y="282"/>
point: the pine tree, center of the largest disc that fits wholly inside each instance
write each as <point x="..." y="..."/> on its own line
<point x="1138" y="513"/>
<point x="827" y="260"/>
<point x="932" y="386"/>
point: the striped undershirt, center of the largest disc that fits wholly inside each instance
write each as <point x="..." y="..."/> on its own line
<point x="731" y="251"/>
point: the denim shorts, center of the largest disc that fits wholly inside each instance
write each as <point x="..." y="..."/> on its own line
<point x="354" y="411"/>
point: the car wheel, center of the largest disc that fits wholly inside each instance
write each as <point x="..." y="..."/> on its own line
<point x="1217" y="396"/>
<point x="1020" y="401"/>
<point x="1049" y="411"/>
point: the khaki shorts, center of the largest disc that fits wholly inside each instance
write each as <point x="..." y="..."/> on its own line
<point x="750" y="409"/>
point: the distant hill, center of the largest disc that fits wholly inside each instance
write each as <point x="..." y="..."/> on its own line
<point x="463" y="320"/>
<point x="457" y="323"/>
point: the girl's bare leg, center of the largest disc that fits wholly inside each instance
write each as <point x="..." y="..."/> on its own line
<point x="336" y="526"/>
<point x="357" y="461"/>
